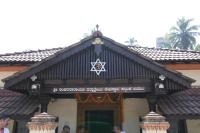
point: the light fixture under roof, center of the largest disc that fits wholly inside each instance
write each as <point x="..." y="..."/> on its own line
<point x="34" y="77"/>
<point x="162" y="77"/>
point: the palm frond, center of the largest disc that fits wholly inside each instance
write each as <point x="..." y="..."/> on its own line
<point x="193" y="28"/>
<point x="183" y="34"/>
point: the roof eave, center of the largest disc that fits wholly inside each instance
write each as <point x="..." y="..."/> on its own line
<point x="184" y="80"/>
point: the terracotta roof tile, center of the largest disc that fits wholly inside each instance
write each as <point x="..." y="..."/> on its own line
<point x="159" y="54"/>
<point x="156" y="54"/>
<point x="28" y="56"/>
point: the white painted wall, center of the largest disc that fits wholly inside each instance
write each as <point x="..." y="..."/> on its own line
<point x="193" y="126"/>
<point x="66" y="110"/>
<point x="4" y="74"/>
<point x="195" y="74"/>
<point x="133" y="109"/>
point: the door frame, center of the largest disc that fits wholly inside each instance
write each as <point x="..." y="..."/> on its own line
<point x="83" y="107"/>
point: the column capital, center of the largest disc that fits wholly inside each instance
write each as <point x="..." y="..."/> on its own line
<point x="154" y="121"/>
<point x="42" y="121"/>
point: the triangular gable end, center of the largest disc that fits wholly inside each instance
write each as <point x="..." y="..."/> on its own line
<point x="86" y="44"/>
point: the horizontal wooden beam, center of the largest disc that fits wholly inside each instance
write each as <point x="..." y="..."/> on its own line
<point x="96" y="82"/>
<point x="12" y="68"/>
<point x="184" y="66"/>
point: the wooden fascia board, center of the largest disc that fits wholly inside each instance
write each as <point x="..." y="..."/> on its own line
<point x="117" y="47"/>
<point x="45" y="63"/>
<point x="149" y="63"/>
<point x="184" y="66"/>
<point x="12" y="68"/>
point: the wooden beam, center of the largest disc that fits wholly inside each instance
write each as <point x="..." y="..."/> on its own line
<point x="12" y="68"/>
<point x="184" y="66"/>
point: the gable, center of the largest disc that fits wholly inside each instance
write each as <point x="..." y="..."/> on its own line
<point x="78" y="67"/>
<point x="74" y="62"/>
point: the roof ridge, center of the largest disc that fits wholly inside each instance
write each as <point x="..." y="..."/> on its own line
<point x="48" y="49"/>
<point x="30" y="51"/>
<point x="178" y="50"/>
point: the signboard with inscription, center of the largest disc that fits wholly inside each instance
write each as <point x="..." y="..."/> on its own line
<point x="61" y="90"/>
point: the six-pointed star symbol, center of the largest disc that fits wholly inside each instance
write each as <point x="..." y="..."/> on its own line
<point x="98" y="66"/>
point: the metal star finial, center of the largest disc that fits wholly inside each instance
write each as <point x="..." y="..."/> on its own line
<point x="98" y="67"/>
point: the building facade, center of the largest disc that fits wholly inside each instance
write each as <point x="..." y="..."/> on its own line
<point x="98" y="83"/>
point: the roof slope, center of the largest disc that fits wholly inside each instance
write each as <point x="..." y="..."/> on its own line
<point x="156" y="54"/>
<point x="87" y="42"/>
<point x="14" y="104"/>
<point x="159" y="54"/>
<point x="184" y="104"/>
<point x="28" y="56"/>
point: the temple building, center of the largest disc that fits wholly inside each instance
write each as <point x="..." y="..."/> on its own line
<point x="98" y="83"/>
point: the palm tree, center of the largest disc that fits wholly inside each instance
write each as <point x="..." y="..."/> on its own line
<point x="131" y="41"/>
<point x="168" y="42"/>
<point x="183" y="34"/>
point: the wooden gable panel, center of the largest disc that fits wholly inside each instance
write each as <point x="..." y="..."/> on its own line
<point x="74" y="63"/>
<point x="79" y="65"/>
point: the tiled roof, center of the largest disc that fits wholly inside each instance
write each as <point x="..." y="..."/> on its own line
<point x="156" y="54"/>
<point x="159" y="54"/>
<point x="184" y="104"/>
<point x="28" y="56"/>
<point x="14" y="104"/>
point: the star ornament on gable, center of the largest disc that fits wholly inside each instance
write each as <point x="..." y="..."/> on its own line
<point x="98" y="67"/>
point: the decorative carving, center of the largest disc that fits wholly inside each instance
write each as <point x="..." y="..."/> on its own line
<point x="101" y="98"/>
<point x="100" y="101"/>
<point x="97" y="41"/>
<point x="97" y="32"/>
<point x="42" y="122"/>
<point x="154" y="122"/>
<point x="98" y="66"/>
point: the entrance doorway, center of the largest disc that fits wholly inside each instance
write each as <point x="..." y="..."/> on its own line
<point x="97" y="121"/>
<point x="99" y="112"/>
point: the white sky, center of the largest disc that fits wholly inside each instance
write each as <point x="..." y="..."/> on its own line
<point x="40" y="24"/>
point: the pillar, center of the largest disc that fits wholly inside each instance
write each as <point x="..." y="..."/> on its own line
<point x="152" y="101"/>
<point x="154" y="123"/>
<point x="21" y="126"/>
<point x="42" y="123"/>
<point x="44" y="101"/>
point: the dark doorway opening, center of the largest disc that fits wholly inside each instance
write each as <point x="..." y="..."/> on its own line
<point x="99" y="121"/>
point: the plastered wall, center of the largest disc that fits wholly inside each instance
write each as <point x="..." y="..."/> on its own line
<point x="133" y="109"/>
<point x="195" y="74"/>
<point x="4" y="74"/>
<point x="193" y="126"/>
<point x="66" y="110"/>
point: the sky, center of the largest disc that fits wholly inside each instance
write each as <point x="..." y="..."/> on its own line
<point x="41" y="24"/>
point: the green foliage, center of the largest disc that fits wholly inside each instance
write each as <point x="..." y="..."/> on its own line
<point x="131" y="41"/>
<point x="197" y="48"/>
<point x="168" y="42"/>
<point x="182" y="35"/>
